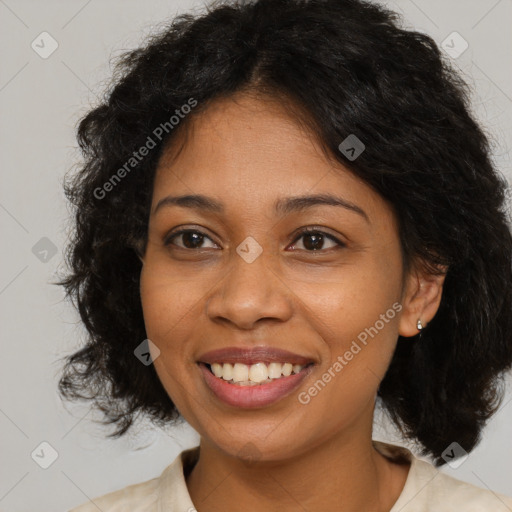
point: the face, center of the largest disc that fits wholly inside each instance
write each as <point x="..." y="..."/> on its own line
<point x="246" y="275"/>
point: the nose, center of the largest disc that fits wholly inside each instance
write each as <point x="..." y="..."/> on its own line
<point x="250" y="293"/>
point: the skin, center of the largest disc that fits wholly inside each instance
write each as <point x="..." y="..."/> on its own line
<point x="246" y="152"/>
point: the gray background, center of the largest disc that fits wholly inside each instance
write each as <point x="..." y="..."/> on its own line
<point x="41" y="100"/>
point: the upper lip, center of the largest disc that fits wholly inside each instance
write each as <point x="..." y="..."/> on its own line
<point x="248" y="356"/>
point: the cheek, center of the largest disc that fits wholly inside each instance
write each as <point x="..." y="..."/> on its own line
<point x="352" y="301"/>
<point x="170" y="307"/>
<point x="169" y="302"/>
<point x="357" y="320"/>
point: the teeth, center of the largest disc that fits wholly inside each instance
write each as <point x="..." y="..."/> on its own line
<point x="217" y="370"/>
<point x="274" y="370"/>
<point x="287" y="369"/>
<point x="296" y="368"/>
<point x="227" y="371"/>
<point x="258" y="373"/>
<point x="240" y="372"/>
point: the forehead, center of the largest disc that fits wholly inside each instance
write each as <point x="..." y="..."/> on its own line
<point x="252" y="152"/>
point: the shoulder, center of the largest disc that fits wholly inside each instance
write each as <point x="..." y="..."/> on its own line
<point x="427" y="489"/>
<point x="137" y="497"/>
<point x="442" y="492"/>
<point x="166" y="492"/>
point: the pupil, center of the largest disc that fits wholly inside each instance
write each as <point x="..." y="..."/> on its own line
<point x="316" y="241"/>
<point x="189" y="240"/>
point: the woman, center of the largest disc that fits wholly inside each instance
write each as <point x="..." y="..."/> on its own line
<point x="285" y="213"/>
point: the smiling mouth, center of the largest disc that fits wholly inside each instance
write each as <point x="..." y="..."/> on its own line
<point x="256" y="374"/>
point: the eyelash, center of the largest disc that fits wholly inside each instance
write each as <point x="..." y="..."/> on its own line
<point x="300" y="234"/>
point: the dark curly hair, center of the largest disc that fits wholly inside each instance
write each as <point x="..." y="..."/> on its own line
<point x="350" y="68"/>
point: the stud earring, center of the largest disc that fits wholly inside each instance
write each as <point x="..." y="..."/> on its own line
<point x="419" y="325"/>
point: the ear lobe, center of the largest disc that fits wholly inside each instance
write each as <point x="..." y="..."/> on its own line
<point x="421" y="299"/>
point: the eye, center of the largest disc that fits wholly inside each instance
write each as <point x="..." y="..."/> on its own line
<point x="190" y="239"/>
<point x="314" y="240"/>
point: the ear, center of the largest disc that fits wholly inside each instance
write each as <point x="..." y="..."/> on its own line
<point x="420" y="299"/>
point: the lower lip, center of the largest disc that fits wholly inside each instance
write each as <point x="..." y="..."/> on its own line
<point x="251" y="397"/>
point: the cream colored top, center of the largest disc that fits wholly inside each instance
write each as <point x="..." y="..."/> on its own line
<point x="426" y="490"/>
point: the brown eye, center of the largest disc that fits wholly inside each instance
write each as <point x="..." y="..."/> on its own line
<point x="190" y="239"/>
<point x="314" y="240"/>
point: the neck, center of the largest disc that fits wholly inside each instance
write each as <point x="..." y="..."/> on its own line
<point x="343" y="474"/>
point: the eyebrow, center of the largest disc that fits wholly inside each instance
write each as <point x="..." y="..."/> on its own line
<point x="283" y="206"/>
